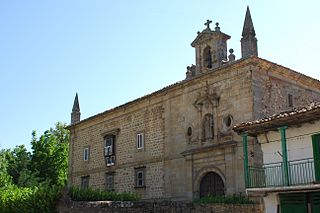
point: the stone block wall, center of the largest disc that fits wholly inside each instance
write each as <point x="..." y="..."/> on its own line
<point x="273" y="83"/>
<point x="164" y="119"/>
<point x="155" y="207"/>
<point x="146" y="119"/>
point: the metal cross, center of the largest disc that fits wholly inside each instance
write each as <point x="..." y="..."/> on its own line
<point x="208" y="23"/>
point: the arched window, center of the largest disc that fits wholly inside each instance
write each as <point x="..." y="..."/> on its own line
<point x="207" y="56"/>
<point x="211" y="184"/>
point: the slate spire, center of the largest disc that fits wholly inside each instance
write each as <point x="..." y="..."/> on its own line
<point x="76" y="107"/>
<point x="248" y="28"/>
<point x="249" y="45"/>
<point x="75" y="114"/>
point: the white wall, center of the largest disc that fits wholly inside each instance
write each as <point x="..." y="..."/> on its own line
<point x="270" y="203"/>
<point x="299" y="143"/>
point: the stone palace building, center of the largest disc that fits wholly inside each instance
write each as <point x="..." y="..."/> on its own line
<point x="177" y="143"/>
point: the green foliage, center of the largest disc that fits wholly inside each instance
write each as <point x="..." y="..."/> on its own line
<point x="5" y="178"/>
<point x="28" y="178"/>
<point x="49" y="158"/>
<point x="18" y="160"/>
<point x="31" y="182"/>
<point x="228" y="199"/>
<point x="89" y="194"/>
<point x="14" y="199"/>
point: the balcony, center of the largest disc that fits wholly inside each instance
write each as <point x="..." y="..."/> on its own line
<point x="300" y="172"/>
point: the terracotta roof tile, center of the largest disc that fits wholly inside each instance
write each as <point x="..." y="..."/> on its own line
<point x="286" y="114"/>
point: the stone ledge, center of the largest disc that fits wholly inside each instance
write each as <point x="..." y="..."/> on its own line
<point x="209" y="147"/>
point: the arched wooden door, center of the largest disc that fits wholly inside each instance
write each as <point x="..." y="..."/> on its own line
<point x="211" y="184"/>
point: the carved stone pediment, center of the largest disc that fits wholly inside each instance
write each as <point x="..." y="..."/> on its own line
<point x="203" y="37"/>
<point x="207" y="35"/>
<point x="207" y="98"/>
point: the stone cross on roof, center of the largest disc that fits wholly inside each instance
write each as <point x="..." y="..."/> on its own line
<point x="208" y="22"/>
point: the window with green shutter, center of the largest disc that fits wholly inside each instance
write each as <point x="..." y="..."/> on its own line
<point x="316" y="155"/>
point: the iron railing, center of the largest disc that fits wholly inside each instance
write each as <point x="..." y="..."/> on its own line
<point x="300" y="172"/>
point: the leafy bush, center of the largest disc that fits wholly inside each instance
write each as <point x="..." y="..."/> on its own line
<point x="229" y="199"/>
<point x="89" y="194"/>
<point x="31" y="182"/>
<point x="14" y="199"/>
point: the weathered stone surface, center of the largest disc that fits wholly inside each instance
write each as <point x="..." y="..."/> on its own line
<point x="156" y="207"/>
<point x="174" y="161"/>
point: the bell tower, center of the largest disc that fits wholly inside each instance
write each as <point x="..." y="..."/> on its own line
<point x="211" y="48"/>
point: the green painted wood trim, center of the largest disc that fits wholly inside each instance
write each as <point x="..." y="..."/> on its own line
<point x="285" y="166"/>
<point x="245" y="159"/>
<point x="316" y="155"/>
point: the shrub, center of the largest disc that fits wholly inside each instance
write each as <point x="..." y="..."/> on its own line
<point x="90" y="194"/>
<point x="227" y="199"/>
<point x="14" y="199"/>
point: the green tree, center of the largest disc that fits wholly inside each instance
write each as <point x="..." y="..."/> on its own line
<point x="5" y="178"/>
<point x="49" y="158"/>
<point x="18" y="160"/>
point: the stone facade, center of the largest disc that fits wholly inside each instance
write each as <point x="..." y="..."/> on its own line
<point x="186" y="128"/>
<point x="272" y="84"/>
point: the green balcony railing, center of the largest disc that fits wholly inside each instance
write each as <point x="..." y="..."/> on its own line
<point x="271" y="175"/>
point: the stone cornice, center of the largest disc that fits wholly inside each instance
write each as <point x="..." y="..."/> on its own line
<point x="209" y="148"/>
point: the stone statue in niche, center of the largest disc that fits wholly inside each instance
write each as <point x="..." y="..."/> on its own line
<point x="208" y="127"/>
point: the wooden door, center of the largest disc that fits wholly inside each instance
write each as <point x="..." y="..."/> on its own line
<point x="211" y="184"/>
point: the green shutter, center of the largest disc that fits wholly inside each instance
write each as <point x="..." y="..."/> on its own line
<point x="315" y="201"/>
<point x="245" y="159"/>
<point x="293" y="203"/>
<point x="316" y="155"/>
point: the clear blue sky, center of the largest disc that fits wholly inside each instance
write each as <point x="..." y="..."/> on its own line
<point x="111" y="52"/>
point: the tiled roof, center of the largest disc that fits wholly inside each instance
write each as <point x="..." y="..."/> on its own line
<point x="281" y="118"/>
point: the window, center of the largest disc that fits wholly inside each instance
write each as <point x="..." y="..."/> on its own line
<point x="109" y="145"/>
<point x="290" y="100"/>
<point x="316" y="155"/>
<point x="207" y="57"/>
<point x="86" y="154"/>
<point x="189" y="131"/>
<point x="140" y="177"/>
<point x="227" y="123"/>
<point x="110" y="181"/>
<point x="140" y="141"/>
<point x="109" y="150"/>
<point x="85" y="182"/>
